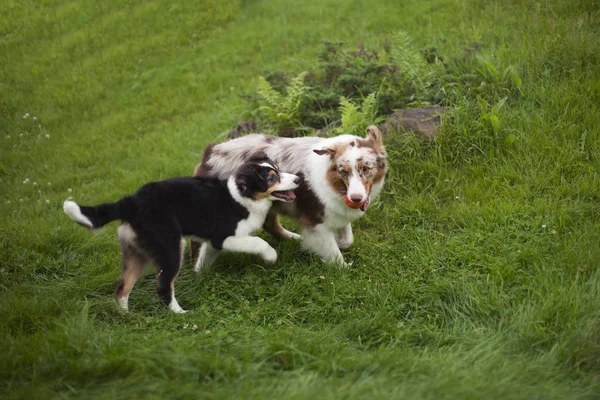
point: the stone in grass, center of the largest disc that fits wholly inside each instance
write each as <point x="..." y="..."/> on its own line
<point x="424" y="122"/>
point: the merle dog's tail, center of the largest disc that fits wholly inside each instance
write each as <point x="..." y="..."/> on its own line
<point x="100" y="215"/>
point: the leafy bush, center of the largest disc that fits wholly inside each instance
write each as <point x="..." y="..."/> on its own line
<point x="398" y="76"/>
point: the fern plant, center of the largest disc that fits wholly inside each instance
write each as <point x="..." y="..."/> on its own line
<point x="355" y="118"/>
<point x="282" y="111"/>
<point x="421" y="70"/>
<point x="406" y="56"/>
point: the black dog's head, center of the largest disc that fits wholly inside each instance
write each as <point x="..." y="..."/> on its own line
<point x="259" y="178"/>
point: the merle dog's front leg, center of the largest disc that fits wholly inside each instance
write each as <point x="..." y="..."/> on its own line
<point x="321" y="241"/>
<point x="344" y="237"/>
<point x="252" y="245"/>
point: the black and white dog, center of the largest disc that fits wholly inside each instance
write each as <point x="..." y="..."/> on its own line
<point x="155" y="219"/>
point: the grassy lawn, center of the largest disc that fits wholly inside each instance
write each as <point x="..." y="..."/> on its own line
<point x="476" y="274"/>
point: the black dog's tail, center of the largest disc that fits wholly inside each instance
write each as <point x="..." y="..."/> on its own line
<point x="100" y="215"/>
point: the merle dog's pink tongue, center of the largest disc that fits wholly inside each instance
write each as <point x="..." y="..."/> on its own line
<point x="364" y="206"/>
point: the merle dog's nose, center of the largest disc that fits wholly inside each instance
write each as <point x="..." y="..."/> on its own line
<point x="297" y="180"/>
<point x="356" y="198"/>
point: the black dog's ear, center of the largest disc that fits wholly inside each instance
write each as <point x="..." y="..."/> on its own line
<point x="243" y="188"/>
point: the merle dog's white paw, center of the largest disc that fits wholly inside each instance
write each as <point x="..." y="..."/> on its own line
<point x="201" y="264"/>
<point x="295" y="236"/>
<point x="343" y="243"/>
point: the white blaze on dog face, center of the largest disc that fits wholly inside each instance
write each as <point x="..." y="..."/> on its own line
<point x="356" y="165"/>
<point x="280" y="185"/>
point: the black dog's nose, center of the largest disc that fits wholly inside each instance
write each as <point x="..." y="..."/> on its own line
<point x="297" y="180"/>
<point x="356" y="199"/>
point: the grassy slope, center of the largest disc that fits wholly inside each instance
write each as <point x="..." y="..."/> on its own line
<point x="475" y="276"/>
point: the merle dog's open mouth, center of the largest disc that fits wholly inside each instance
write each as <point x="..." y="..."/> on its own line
<point x="287" y="195"/>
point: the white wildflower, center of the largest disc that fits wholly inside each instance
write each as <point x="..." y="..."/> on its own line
<point x="70" y="190"/>
<point x="47" y="201"/>
<point x="47" y="136"/>
<point x="195" y="327"/>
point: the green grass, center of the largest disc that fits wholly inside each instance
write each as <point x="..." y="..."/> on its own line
<point x="475" y="275"/>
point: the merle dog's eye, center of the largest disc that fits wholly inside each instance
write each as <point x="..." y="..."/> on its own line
<point x="366" y="169"/>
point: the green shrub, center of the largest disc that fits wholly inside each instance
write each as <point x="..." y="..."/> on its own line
<point x="395" y="77"/>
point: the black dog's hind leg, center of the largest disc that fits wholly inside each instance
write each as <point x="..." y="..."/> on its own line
<point x="168" y="263"/>
<point x="134" y="261"/>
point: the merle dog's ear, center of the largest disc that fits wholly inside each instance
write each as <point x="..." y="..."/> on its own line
<point x="381" y="161"/>
<point x="325" y="151"/>
<point x="258" y="157"/>
<point x="375" y="136"/>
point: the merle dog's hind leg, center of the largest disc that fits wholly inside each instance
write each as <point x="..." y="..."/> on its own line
<point x="206" y="256"/>
<point x="273" y="227"/>
<point x="134" y="261"/>
<point x="194" y="249"/>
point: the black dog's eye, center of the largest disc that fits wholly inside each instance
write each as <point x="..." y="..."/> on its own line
<point x="271" y="178"/>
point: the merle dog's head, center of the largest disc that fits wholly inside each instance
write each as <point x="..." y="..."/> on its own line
<point x="355" y="166"/>
<point x="259" y="178"/>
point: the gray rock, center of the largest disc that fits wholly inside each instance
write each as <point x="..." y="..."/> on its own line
<point x="424" y="122"/>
